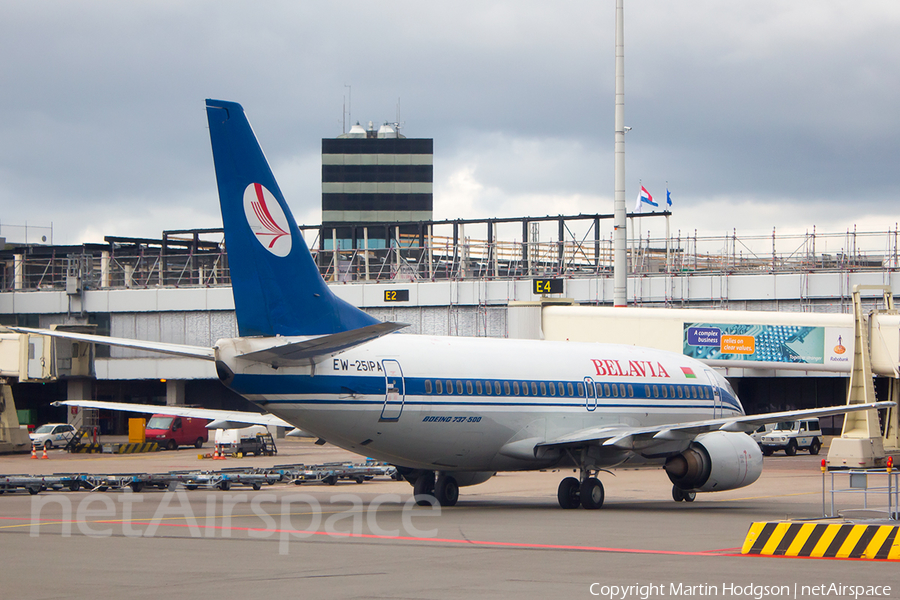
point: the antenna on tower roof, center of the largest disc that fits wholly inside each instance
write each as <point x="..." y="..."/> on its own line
<point x="348" y="106"/>
<point x="398" y="123"/>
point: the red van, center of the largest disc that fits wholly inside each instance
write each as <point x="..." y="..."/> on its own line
<point x="170" y="432"/>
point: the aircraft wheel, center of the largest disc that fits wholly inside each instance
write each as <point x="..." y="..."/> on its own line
<point x="791" y="448"/>
<point x="446" y="490"/>
<point x="592" y="493"/>
<point x="677" y="494"/>
<point x="690" y="496"/>
<point x="424" y="487"/>
<point x="815" y="447"/>
<point x="569" y="493"/>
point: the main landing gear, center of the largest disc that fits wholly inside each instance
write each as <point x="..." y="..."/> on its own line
<point x="587" y="493"/>
<point x="445" y="490"/>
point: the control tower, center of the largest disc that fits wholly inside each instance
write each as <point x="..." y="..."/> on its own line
<point x="374" y="177"/>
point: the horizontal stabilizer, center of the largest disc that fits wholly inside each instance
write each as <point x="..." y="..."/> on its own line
<point x="220" y="419"/>
<point x="297" y="353"/>
<point x="200" y="352"/>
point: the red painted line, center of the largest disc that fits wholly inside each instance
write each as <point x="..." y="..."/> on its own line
<point x="725" y="552"/>
<point x="401" y="538"/>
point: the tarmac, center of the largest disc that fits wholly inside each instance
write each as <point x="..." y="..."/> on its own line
<point x="506" y="538"/>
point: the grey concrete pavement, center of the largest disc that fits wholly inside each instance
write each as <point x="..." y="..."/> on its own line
<point x="506" y="538"/>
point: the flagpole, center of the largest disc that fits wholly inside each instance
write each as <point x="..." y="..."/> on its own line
<point x="636" y="226"/>
<point x="668" y="210"/>
<point x="667" y="244"/>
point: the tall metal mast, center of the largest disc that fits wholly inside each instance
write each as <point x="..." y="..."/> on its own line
<point x="620" y="264"/>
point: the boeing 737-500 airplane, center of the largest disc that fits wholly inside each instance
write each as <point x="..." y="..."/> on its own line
<point x="450" y="411"/>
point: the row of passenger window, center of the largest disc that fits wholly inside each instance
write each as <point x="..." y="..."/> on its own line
<point x="504" y="388"/>
<point x="559" y="388"/>
<point x="679" y="391"/>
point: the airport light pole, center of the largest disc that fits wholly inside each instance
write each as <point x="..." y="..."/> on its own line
<point x="620" y="264"/>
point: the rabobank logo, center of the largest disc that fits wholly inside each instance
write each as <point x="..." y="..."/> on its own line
<point x="266" y="219"/>
<point x="839" y="349"/>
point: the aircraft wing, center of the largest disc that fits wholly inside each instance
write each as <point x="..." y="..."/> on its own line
<point x="221" y="419"/>
<point x="642" y="438"/>
<point x="200" y="352"/>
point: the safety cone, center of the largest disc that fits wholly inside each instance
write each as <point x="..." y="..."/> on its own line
<point x="44" y="455"/>
<point x="218" y="455"/>
<point x="33" y="452"/>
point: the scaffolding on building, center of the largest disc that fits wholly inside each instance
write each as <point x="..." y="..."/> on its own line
<point x="450" y="250"/>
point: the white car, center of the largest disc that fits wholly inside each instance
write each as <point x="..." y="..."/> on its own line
<point x="791" y="436"/>
<point x="52" y="435"/>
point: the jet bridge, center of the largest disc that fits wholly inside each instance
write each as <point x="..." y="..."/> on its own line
<point x="26" y="358"/>
<point x="876" y="351"/>
<point x="758" y="343"/>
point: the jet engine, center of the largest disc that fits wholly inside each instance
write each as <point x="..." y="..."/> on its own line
<point x="716" y="461"/>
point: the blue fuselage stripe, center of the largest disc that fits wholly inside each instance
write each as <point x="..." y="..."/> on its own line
<point x="358" y="390"/>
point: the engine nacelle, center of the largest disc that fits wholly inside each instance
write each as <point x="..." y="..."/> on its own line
<point x="467" y="478"/>
<point x="715" y="462"/>
<point x="463" y="478"/>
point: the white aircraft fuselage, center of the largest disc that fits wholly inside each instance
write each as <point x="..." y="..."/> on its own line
<point x="453" y="403"/>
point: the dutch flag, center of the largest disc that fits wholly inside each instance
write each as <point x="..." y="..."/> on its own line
<point x="644" y="198"/>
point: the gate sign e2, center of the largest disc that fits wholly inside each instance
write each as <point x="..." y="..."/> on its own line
<point x="396" y="295"/>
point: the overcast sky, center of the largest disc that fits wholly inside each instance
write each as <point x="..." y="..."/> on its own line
<point x="758" y="114"/>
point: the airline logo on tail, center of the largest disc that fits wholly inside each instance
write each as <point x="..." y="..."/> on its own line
<point x="267" y="220"/>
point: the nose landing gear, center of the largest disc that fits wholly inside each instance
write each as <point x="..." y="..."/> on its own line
<point x="680" y="495"/>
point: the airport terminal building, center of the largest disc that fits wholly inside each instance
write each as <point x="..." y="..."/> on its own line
<point x="177" y="289"/>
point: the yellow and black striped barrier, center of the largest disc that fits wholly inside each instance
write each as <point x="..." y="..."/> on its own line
<point x="823" y="540"/>
<point x="89" y="448"/>
<point x="134" y="448"/>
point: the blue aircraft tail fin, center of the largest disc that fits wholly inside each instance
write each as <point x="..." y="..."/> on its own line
<point x="277" y="286"/>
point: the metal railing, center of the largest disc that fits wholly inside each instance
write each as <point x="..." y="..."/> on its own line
<point x="860" y="484"/>
<point x="436" y="254"/>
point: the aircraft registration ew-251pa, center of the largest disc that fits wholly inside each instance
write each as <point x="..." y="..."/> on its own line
<point x="450" y="411"/>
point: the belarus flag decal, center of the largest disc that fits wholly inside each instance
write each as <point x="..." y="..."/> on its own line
<point x="688" y="372"/>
